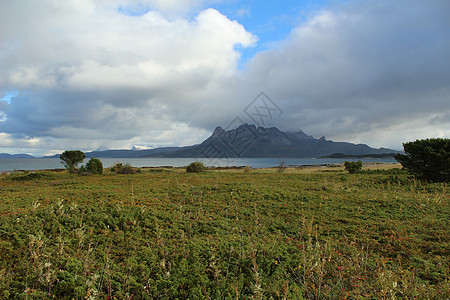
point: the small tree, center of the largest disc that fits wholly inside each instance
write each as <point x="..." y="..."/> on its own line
<point x="71" y="159"/>
<point x="94" y="166"/>
<point x="428" y="159"/>
<point x="353" y="166"/>
<point x="195" y="167"/>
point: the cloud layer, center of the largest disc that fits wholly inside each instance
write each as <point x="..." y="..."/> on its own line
<point x="94" y="73"/>
<point x="88" y="73"/>
<point x="365" y="72"/>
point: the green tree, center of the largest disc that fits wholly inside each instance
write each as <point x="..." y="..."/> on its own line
<point x="428" y="159"/>
<point x="71" y="158"/>
<point x="195" y="167"/>
<point x="353" y="166"/>
<point x="94" y="166"/>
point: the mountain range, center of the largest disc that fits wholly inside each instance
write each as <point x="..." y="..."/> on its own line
<point x="253" y="142"/>
<point x="249" y="141"/>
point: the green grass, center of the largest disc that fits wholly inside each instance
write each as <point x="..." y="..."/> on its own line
<point x="224" y="235"/>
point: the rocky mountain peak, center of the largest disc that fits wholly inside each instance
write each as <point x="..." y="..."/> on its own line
<point x="218" y="131"/>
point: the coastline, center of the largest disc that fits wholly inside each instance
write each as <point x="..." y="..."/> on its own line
<point x="288" y="168"/>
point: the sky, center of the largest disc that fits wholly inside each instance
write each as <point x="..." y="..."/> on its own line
<point x="80" y="74"/>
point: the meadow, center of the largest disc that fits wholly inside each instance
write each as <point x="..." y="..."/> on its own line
<point x="224" y="234"/>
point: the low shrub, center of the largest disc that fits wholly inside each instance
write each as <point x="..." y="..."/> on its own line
<point x="82" y="170"/>
<point x="196" y="167"/>
<point x="353" y="166"/>
<point x="120" y="168"/>
<point x="94" y="166"/>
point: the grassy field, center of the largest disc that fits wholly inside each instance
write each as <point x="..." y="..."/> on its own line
<point x="313" y="233"/>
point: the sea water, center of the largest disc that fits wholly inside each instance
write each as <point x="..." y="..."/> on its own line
<point x="12" y="164"/>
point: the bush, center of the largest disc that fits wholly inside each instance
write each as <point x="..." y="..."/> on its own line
<point x="82" y="170"/>
<point x="94" y="166"/>
<point x="353" y="166"/>
<point x="120" y="168"/>
<point x="428" y="159"/>
<point x="196" y="167"/>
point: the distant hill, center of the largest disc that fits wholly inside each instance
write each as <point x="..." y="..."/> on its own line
<point x="341" y="155"/>
<point x="6" y="155"/>
<point x="135" y="153"/>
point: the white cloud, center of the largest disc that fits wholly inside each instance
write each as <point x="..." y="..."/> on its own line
<point x="9" y="141"/>
<point x="5" y="140"/>
<point x="171" y="8"/>
<point x="242" y="13"/>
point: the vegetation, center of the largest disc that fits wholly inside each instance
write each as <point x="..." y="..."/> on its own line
<point x="27" y="175"/>
<point x="94" y="166"/>
<point x="120" y="168"/>
<point x="195" y="167"/>
<point x="71" y="158"/>
<point x="427" y="159"/>
<point x="224" y="235"/>
<point x="353" y="166"/>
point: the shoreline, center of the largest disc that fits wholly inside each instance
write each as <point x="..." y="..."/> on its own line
<point x="367" y="165"/>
